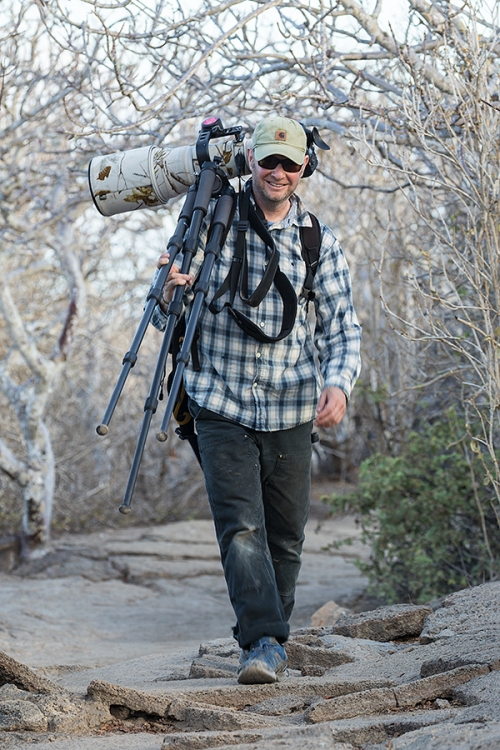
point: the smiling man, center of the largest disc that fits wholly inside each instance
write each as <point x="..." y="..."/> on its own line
<point x="276" y="176"/>
<point x="256" y="391"/>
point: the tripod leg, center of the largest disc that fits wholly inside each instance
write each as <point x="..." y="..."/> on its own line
<point x="218" y="230"/>
<point x="151" y="403"/>
<point x="204" y="191"/>
<point x="130" y="358"/>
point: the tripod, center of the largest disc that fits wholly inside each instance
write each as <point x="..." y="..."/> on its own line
<point x="211" y="183"/>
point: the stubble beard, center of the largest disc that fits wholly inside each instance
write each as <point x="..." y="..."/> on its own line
<point x="268" y="199"/>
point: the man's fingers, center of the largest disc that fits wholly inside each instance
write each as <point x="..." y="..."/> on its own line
<point x="175" y="278"/>
<point x="331" y="407"/>
<point x="163" y="260"/>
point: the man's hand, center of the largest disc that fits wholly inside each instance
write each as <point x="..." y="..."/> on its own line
<point x="331" y="407"/>
<point x="174" y="278"/>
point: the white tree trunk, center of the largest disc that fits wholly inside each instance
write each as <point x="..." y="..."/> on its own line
<point x="38" y="494"/>
<point x="35" y="475"/>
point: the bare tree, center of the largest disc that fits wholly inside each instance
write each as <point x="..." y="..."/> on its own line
<point x="55" y="255"/>
<point x="415" y="101"/>
<point x="440" y="144"/>
<point x="39" y="268"/>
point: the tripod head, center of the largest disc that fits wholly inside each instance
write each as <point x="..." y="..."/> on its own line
<point x="211" y="128"/>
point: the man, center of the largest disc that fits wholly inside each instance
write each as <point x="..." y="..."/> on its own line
<point x="255" y="402"/>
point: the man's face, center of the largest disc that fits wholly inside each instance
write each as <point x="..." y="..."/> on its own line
<point x="273" y="187"/>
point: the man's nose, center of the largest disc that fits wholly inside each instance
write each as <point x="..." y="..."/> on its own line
<point x="278" y="171"/>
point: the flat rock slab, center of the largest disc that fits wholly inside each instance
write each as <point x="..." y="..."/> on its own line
<point x="465" y="612"/>
<point x="316" y="741"/>
<point x="485" y="690"/>
<point x="347" y="733"/>
<point x="384" y="624"/>
<point x="21" y="715"/>
<point x="77" y="621"/>
<point x="377" y="700"/>
<point x="225" y="693"/>
<point x="449" y="737"/>
<point x="105" y="741"/>
<point x="13" y="673"/>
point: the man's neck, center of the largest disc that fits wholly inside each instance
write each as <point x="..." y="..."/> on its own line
<point x="273" y="212"/>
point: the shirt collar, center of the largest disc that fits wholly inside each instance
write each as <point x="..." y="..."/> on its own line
<point x="297" y="215"/>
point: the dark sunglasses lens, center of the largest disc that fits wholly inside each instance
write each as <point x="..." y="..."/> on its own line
<point x="271" y="162"/>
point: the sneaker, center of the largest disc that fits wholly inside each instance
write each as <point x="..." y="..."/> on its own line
<point x="265" y="661"/>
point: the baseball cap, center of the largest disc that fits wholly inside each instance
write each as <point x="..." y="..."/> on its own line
<point x="282" y="136"/>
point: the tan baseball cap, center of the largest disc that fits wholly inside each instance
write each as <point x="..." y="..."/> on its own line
<point x="281" y="136"/>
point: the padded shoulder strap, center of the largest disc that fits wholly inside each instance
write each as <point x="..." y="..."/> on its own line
<point x="310" y="238"/>
<point x="238" y="274"/>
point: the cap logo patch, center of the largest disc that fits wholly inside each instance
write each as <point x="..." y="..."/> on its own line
<point x="280" y="135"/>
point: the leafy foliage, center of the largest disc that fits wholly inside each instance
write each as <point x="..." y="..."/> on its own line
<point x="430" y="523"/>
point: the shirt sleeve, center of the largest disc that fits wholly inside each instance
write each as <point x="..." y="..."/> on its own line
<point x="337" y="331"/>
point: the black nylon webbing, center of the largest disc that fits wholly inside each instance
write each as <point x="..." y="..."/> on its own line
<point x="248" y="216"/>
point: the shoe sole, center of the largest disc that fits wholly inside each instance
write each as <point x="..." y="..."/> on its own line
<point x="258" y="673"/>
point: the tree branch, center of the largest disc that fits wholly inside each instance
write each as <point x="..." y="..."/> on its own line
<point x="12" y="466"/>
<point x="33" y="358"/>
<point x="398" y="51"/>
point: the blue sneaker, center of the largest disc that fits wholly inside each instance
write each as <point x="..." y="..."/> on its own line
<point x="265" y="661"/>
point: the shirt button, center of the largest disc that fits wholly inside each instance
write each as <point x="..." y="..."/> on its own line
<point x="258" y="355"/>
<point x="262" y="325"/>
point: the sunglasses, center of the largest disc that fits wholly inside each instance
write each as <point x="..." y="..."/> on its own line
<point x="271" y="162"/>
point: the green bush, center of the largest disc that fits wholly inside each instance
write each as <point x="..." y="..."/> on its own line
<point x="431" y="526"/>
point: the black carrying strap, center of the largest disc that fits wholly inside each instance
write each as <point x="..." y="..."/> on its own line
<point x="248" y="216"/>
<point x="310" y="238"/>
<point x="239" y="264"/>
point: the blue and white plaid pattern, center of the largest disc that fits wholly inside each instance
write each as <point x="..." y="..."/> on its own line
<point x="275" y="386"/>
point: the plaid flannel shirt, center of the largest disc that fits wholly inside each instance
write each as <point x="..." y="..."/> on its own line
<point x="276" y="386"/>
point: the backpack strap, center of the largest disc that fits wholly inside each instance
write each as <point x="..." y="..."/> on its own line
<point x="310" y="238"/>
<point x="249" y="216"/>
<point x="239" y="265"/>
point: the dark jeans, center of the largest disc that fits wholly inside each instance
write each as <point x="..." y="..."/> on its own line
<point x="258" y="485"/>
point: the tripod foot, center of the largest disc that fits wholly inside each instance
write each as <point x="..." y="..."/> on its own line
<point x="161" y="436"/>
<point x="102" y="429"/>
<point x="125" y="509"/>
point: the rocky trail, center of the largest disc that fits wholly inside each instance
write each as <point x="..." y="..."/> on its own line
<point x="121" y="641"/>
